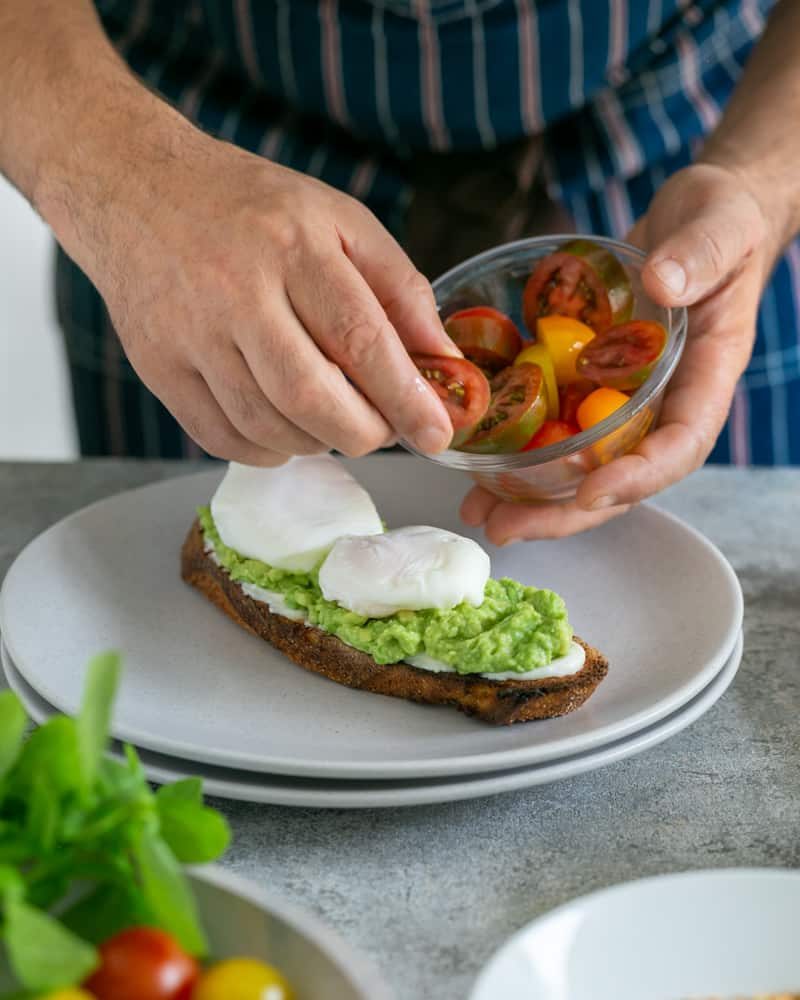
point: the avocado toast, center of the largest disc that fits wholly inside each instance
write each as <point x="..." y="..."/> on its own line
<point x="449" y="635"/>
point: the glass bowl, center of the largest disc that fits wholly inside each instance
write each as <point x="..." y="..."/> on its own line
<point x="553" y="473"/>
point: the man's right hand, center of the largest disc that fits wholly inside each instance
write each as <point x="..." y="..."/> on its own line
<point x="271" y="314"/>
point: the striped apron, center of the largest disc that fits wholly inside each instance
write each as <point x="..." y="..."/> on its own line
<point x="585" y="105"/>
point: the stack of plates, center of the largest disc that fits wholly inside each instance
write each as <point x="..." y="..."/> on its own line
<point x="202" y="697"/>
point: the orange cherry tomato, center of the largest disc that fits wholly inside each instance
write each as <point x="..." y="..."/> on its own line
<point x="598" y="405"/>
<point x="570" y="397"/>
<point x="564" y="339"/>
<point x="484" y="335"/>
<point x="551" y="432"/>
<point x="537" y="354"/>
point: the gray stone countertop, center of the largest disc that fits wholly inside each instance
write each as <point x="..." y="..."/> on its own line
<point x="430" y="892"/>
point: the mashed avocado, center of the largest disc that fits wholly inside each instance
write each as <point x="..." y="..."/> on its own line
<point x="516" y="628"/>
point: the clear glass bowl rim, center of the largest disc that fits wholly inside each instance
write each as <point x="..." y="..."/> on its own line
<point x="661" y="374"/>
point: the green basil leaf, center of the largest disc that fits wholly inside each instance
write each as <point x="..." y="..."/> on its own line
<point x="107" y="910"/>
<point x="13" y="721"/>
<point x="43" y="814"/>
<point x="187" y="790"/>
<point x="195" y="833"/>
<point x="168" y="894"/>
<point x="12" y="885"/>
<point x="51" y="750"/>
<point x="102" y="678"/>
<point x="43" y="954"/>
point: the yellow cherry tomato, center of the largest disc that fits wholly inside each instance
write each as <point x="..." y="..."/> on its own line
<point x="537" y="354"/>
<point x="242" y="979"/>
<point x="71" y="994"/>
<point x="598" y="405"/>
<point x="564" y="339"/>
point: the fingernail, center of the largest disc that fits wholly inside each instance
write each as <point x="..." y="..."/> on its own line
<point x="671" y="275"/>
<point x="432" y="439"/>
<point x="602" y="502"/>
<point x="449" y="347"/>
<point x="510" y="541"/>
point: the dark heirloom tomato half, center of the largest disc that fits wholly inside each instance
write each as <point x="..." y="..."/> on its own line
<point x="611" y="272"/>
<point x="581" y="280"/>
<point x="517" y="410"/>
<point x="623" y="357"/>
<point x="462" y="388"/>
<point x="485" y="336"/>
<point x="570" y="398"/>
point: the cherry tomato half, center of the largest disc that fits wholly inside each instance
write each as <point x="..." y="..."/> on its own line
<point x="537" y="354"/>
<point x="564" y="338"/>
<point x="598" y="405"/>
<point x="517" y="410"/>
<point x="551" y="432"/>
<point x="484" y="335"/>
<point x="143" y="963"/>
<point x="570" y="398"/>
<point x="242" y="979"/>
<point x="624" y="356"/>
<point x="563" y="285"/>
<point x="462" y="388"/>
<point x="610" y="271"/>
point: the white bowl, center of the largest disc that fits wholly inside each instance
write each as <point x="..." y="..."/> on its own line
<point x="727" y="933"/>
<point x="244" y="920"/>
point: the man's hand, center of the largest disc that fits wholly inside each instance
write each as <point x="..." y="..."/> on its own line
<point x="271" y="314"/>
<point x="711" y="248"/>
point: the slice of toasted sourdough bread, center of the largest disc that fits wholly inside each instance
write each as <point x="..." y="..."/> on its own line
<point x="497" y="702"/>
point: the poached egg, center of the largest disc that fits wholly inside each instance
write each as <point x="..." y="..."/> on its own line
<point x="290" y="516"/>
<point x="407" y="569"/>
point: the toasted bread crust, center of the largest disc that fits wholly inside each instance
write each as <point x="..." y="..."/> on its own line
<point x="496" y="702"/>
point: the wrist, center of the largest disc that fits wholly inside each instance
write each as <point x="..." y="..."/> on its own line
<point x="96" y="186"/>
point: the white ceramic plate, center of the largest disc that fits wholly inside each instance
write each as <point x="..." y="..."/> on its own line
<point x="336" y="794"/>
<point x="655" y="596"/>
<point x="725" y="934"/>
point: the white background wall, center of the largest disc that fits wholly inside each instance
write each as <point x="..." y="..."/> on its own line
<point x="35" y="408"/>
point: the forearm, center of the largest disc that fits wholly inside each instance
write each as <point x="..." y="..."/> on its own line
<point x="758" y="134"/>
<point x="74" y="122"/>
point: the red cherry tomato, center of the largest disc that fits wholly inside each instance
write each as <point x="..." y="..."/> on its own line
<point x="484" y="335"/>
<point x="565" y="285"/>
<point x="462" y="388"/>
<point x="143" y="964"/>
<point x="623" y="357"/>
<point x="517" y="410"/>
<point x="570" y="398"/>
<point x="550" y="432"/>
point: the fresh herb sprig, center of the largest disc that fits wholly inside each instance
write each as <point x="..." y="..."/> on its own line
<point x="86" y="847"/>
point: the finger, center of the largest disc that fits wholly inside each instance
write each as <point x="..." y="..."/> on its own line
<point x="477" y="505"/>
<point x="251" y="413"/>
<point x="304" y="386"/>
<point x="513" y="522"/>
<point x="702" y="254"/>
<point x="337" y="307"/>
<point x="637" y="237"/>
<point x="193" y="405"/>
<point x="404" y="293"/>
